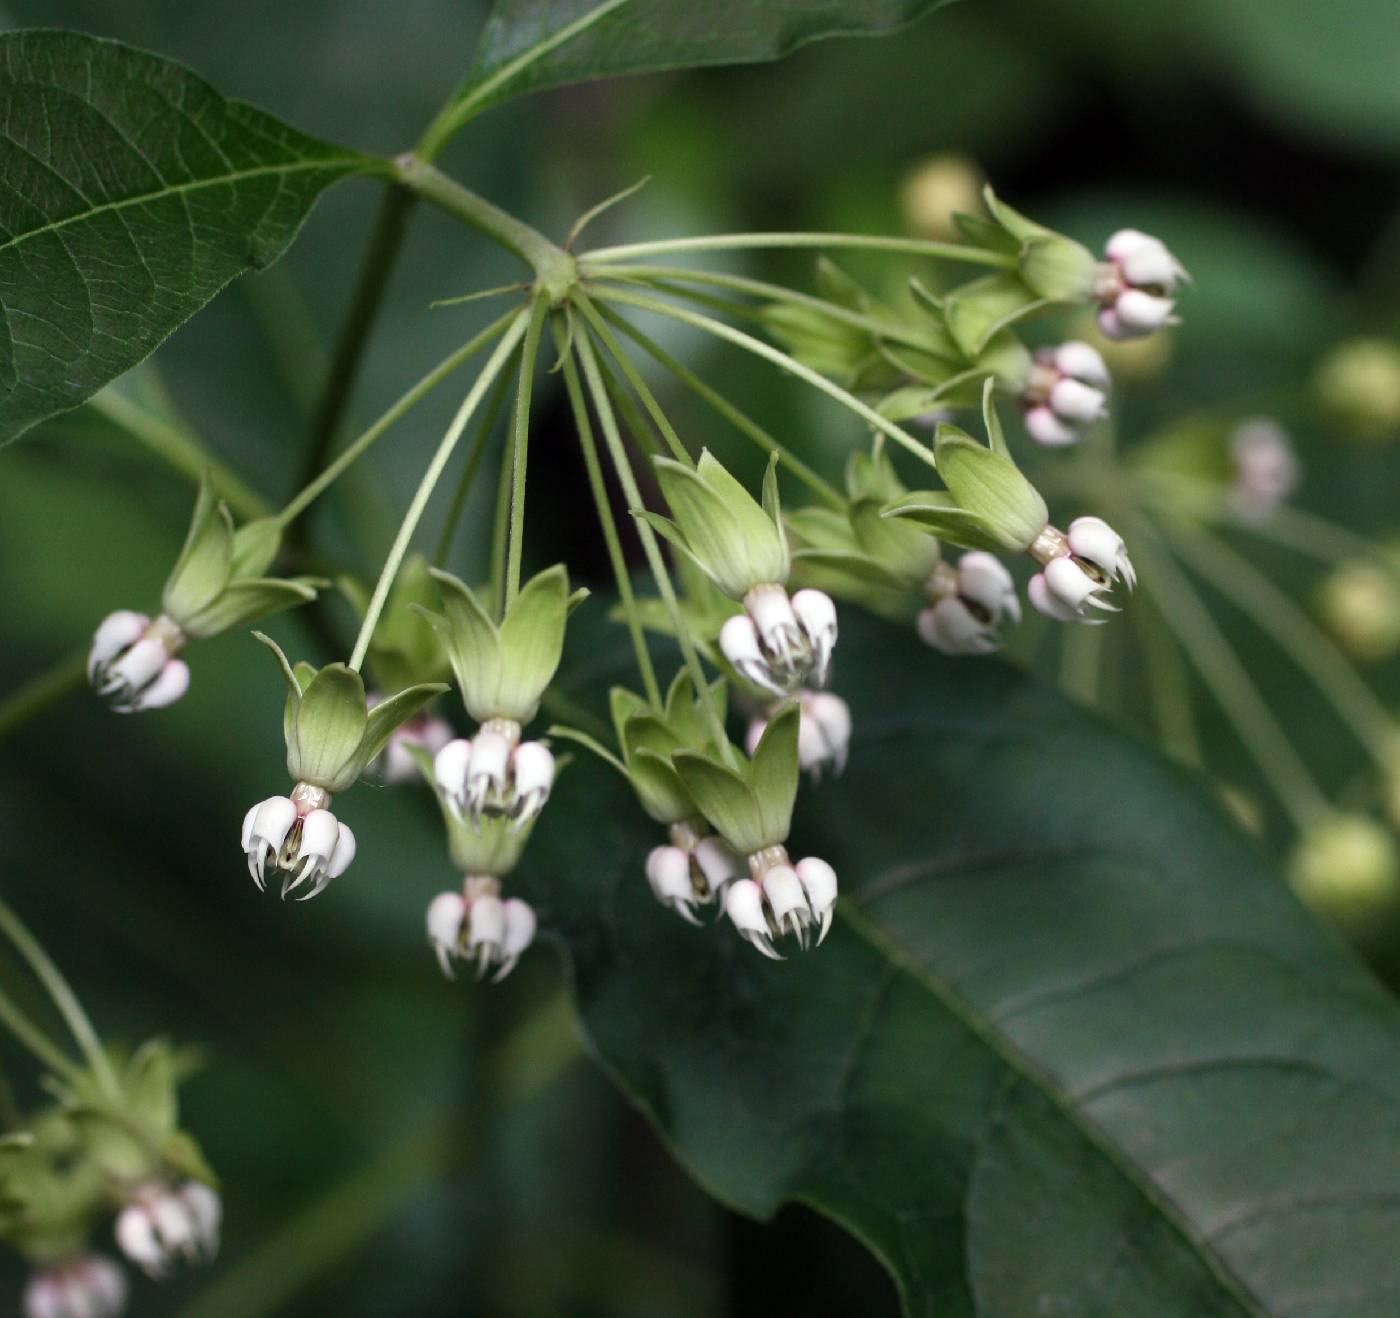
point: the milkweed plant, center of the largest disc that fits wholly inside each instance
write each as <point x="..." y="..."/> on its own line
<point x="960" y="437"/>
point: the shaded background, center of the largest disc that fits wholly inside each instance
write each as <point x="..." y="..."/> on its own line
<point x="429" y="1158"/>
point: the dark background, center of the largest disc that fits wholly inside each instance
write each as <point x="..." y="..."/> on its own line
<point x="1260" y="138"/>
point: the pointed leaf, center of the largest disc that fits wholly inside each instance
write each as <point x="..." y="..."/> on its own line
<point x="532" y="639"/>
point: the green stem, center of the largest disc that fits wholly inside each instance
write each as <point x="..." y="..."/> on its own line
<point x="584" y="427"/>
<point x="500" y="527"/>
<point x="376" y="267"/>
<point x="1293" y="632"/>
<point x="753" y="241"/>
<point x="1081" y="663"/>
<point x="415" y="395"/>
<point x="554" y="268"/>
<point x="1167" y="684"/>
<point x="777" y="293"/>
<point x="623" y="469"/>
<point x="720" y="404"/>
<point x="781" y="360"/>
<point x="399" y="548"/>
<point x="634" y="378"/>
<point x="37" y="694"/>
<point x="181" y="450"/>
<point x="33" y="1038"/>
<point x="63" y="997"/>
<point x="469" y="468"/>
<point x="520" y="448"/>
<point x="1189" y="618"/>
<point x="464" y="105"/>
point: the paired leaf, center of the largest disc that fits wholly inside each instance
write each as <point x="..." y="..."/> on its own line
<point x="134" y="192"/>
<point x="1070" y="1048"/>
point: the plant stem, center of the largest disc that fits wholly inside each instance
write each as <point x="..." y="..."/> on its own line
<point x="425" y="386"/>
<point x="555" y="270"/>
<point x="777" y="293"/>
<point x="41" y="691"/>
<point x="1294" y="633"/>
<point x="469" y="468"/>
<point x="719" y="403"/>
<point x="464" y="105"/>
<point x="500" y="527"/>
<point x="618" y="452"/>
<point x="376" y="266"/>
<point x="779" y="359"/>
<point x="1167" y="684"/>
<point x="520" y="448"/>
<point x="634" y="378"/>
<point x="35" y="1040"/>
<point x="584" y="427"/>
<point x="181" y="450"/>
<point x="753" y="241"/>
<point x="399" y="548"/>
<point x="1187" y="615"/>
<point x="63" y="997"/>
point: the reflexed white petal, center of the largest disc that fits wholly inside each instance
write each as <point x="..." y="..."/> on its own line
<point x="719" y="863"/>
<point x="1141" y="313"/>
<point x="1082" y="362"/>
<point x="831" y="716"/>
<point x="775" y="620"/>
<point x="1044" y="601"/>
<point x="816" y="613"/>
<point x="1046" y="428"/>
<point x="743" y="904"/>
<point x="265" y="828"/>
<point x="444" y="926"/>
<point x="206" y="1211"/>
<point x="1125" y="242"/>
<point x="45" y="1296"/>
<point x="1110" y="327"/>
<point x="486" y="924"/>
<point x="1094" y="539"/>
<point x="532" y="769"/>
<point x="758" y="725"/>
<point x="1076" y="403"/>
<point x="486" y="772"/>
<point x="136" y="1238"/>
<point x="320" y="834"/>
<point x="174" y="1224"/>
<point x="172" y="683"/>
<point x="519" y="934"/>
<point x="1149" y="263"/>
<point x="114" y="633"/>
<point x="344" y="853"/>
<point x="247" y="833"/>
<point x="106" y="1284"/>
<point x="819" y="883"/>
<point x="137" y="667"/>
<point x="951" y="627"/>
<point x="1069" y="583"/>
<point x="738" y="642"/>
<point x="450" y="772"/>
<point x="983" y="578"/>
<point x="788" y="902"/>
<point x="668" y="873"/>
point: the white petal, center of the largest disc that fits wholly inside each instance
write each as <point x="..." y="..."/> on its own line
<point x="106" y="1283"/>
<point x="1078" y="404"/>
<point x="1043" y="601"/>
<point x="486" y="771"/>
<point x="817" y="614"/>
<point x="174" y="1224"/>
<point x="783" y="889"/>
<point x="450" y="770"/>
<point x="45" y="1297"/>
<point x="1046" y="428"/>
<point x="114" y="633"/>
<point x="486" y="923"/>
<point x="951" y="627"/>
<point x="1110" y="327"/>
<point x="1125" y="242"/>
<point x="719" y="863"/>
<point x="136" y="668"/>
<point x="520" y="928"/>
<point x="136" y="1238"/>
<point x="983" y="578"/>
<point x="775" y="620"/>
<point x="758" y="725"/>
<point x="743" y="904"/>
<point x="172" y="683"/>
<point x="344" y="852"/>
<point x="532" y="768"/>
<point x="320" y="833"/>
<point x="738" y="642"/>
<point x="819" y="883"/>
<point x="832" y="718"/>
<point x="1082" y="362"/>
<point x="1069" y="583"/>
<point x="206" y="1212"/>
<point x="1149" y="263"/>
<point x="273" y="820"/>
<point x="444" y="927"/>
<point x="1094" y="539"/>
<point x="1141" y="313"/>
<point x="668" y="873"/>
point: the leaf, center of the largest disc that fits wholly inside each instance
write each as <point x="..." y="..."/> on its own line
<point x="613" y="38"/>
<point x="1071" y="1047"/>
<point x="134" y="192"/>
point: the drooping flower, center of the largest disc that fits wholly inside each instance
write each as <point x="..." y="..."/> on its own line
<point x="90" y="1286"/>
<point x="970" y="605"/>
<point x="1136" y="285"/>
<point x="495" y="773"/>
<point x="823" y="734"/>
<point x="162" y="1223"/>
<point x="1078" y="569"/>
<point x="1066" y="393"/>
<point x="476" y="925"/>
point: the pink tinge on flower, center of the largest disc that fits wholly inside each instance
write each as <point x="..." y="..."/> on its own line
<point x="131" y="662"/>
<point x="1266" y="467"/>
<point x="88" y="1287"/>
<point x="475" y="924"/>
<point x="1067" y="391"/>
<point x="426" y="733"/>
<point x="779" y="644"/>
<point x="1137" y="285"/>
<point x="161" y="1224"/>
<point x="978" y="599"/>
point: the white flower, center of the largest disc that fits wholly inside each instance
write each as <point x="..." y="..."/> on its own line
<point x="495" y="774"/>
<point x="1266" y="468"/>
<point x="89" y="1287"/>
<point x="778" y="643"/>
<point x="1137" y="285"/>
<point x="475" y="924"/>
<point x="1067" y="392"/>
<point x="132" y="662"/>
<point x="668" y="873"/>
<point x="1079" y="569"/>
<point x="782" y="898"/>
<point x="823" y="731"/>
<point x="161" y="1223"/>
<point x="693" y="870"/>
<point x="297" y="835"/>
<point x="395" y="764"/>
<point x="971" y="605"/>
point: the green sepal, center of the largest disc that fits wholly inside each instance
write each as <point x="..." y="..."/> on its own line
<point x="388" y="715"/>
<point x="987" y="234"/>
<point x="914" y="400"/>
<point x="328" y="727"/>
<point x="835" y="348"/>
<point x="405" y="649"/>
<point x="255" y="546"/>
<point x="206" y="559"/>
<point x="725" y="799"/>
<point x="988" y="484"/>
<point x="1052" y="266"/>
<point x="773" y="773"/>
<point x="907" y="553"/>
<point x="242" y="602"/>
<point x="494" y="847"/>
<point x="294" y="687"/>
<point x="937" y="513"/>
<point x="982" y="308"/>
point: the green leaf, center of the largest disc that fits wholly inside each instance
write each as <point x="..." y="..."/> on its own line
<point x="134" y="192"/>
<point x="724" y="799"/>
<point x="619" y="37"/>
<point x="1071" y="1047"/>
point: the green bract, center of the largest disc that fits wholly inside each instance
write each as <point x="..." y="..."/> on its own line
<point x="648" y="739"/>
<point x="988" y="504"/>
<point x="217" y="581"/>
<point x="503" y="670"/>
<point x="406" y="648"/>
<point x="330" y="732"/>
<point x="1052" y="267"/>
<point x="719" y="525"/>
<point x="751" y="807"/>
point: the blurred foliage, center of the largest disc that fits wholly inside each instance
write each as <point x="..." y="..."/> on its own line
<point x="1260" y="138"/>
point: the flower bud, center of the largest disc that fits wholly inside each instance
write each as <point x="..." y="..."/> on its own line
<point x="161" y="1223"/>
<point x="444" y="918"/>
<point x="1359" y="383"/>
<point x="1346" y="867"/>
<point x="668" y="873"/>
<point x="1266" y="469"/>
<point x="131" y="662"/>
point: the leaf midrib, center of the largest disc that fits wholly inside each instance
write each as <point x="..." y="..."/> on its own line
<point x="1032" y="1073"/>
<point x="180" y="189"/>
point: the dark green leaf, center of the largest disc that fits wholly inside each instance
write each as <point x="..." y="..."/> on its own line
<point x="645" y="36"/>
<point x="1071" y="1047"/>
<point x="133" y="193"/>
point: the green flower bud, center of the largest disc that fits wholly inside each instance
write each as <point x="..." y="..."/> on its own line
<point x="330" y="732"/>
<point x="1359" y="603"/>
<point x="1052" y="267"/>
<point x="217" y="582"/>
<point x="720" y="527"/>
<point x="503" y="671"/>
<point x="937" y="189"/>
<point x="1346" y="868"/>
<point x="1359" y="383"/>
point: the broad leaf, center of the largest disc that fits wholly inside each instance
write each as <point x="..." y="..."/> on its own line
<point x="579" y="40"/>
<point x="133" y="193"/>
<point x="1071" y="1047"/>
